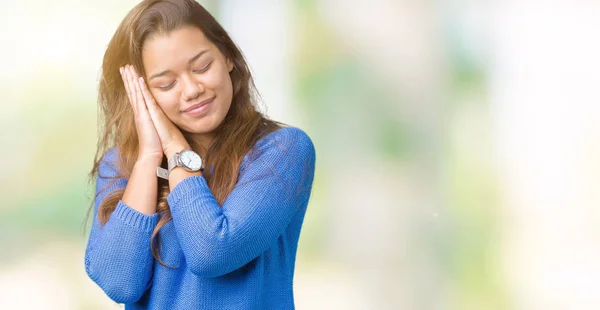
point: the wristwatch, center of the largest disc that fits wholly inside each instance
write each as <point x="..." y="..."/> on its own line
<point x="187" y="159"/>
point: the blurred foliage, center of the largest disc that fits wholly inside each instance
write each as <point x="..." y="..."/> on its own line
<point x="349" y="109"/>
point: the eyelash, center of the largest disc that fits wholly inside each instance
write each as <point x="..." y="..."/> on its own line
<point x="165" y="88"/>
<point x="203" y="69"/>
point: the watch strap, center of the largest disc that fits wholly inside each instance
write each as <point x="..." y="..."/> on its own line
<point x="162" y="173"/>
<point x="173" y="162"/>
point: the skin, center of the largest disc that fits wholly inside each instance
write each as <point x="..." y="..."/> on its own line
<point x="183" y="68"/>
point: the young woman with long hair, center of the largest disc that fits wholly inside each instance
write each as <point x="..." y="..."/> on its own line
<point x="200" y="198"/>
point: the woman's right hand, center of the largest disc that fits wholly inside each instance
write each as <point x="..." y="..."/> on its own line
<point x="150" y="147"/>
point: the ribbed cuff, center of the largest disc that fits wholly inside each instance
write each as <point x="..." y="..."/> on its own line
<point x="134" y="218"/>
<point x="190" y="187"/>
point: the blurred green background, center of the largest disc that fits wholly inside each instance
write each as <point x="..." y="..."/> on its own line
<point x="457" y="147"/>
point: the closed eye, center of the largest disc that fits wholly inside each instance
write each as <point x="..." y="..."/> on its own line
<point x="203" y="69"/>
<point x="165" y="88"/>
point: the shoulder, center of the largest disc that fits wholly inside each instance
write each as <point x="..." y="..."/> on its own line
<point x="109" y="163"/>
<point x="287" y="140"/>
<point x="110" y="157"/>
<point x="284" y="144"/>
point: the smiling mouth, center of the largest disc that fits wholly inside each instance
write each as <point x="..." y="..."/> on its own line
<point x="199" y="109"/>
<point x="198" y="106"/>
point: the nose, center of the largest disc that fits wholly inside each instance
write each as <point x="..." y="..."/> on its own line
<point x="191" y="88"/>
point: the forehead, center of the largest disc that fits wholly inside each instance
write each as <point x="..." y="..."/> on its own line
<point x="175" y="48"/>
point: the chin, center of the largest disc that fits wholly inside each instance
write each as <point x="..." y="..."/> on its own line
<point x="201" y="127"/>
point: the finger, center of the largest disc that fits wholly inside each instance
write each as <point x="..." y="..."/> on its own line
<point x="139" y="97"/>
<point x="156" y="113"/>
<point x="134" y="81"/>
<point x="125" y="78"/>
<point x="150" y="102"/>
<point x="134" y="100"/>
<point x="134" y="73"/>
<point x="136" y="92"/>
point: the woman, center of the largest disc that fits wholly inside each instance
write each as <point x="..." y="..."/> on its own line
<point x="199" y="197"/>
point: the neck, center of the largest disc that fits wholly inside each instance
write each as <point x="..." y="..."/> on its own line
<point x="200" y="143"/>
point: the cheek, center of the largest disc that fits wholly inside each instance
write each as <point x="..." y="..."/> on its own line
<point x="219" y="79"/>
<point x="167" y="102"/>
<point x="225" y="88"/>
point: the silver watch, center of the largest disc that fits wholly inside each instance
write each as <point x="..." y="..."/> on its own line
<point x="187" y="159"/>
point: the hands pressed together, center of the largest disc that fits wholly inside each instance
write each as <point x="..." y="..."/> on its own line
<point x="156" y="133"/>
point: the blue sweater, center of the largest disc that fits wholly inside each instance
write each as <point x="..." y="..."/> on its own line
<point x="238" y="256"/>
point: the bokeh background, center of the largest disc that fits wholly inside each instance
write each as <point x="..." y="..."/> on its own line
<point x="458" y="147"/>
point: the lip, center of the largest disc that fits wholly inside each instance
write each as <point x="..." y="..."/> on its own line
<point x="199" y="108"/>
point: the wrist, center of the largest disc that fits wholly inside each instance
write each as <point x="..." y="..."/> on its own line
<point x="149" y="160"/>
<point x="169" y="153"/>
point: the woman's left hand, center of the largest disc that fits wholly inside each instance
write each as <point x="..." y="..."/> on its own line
<point x="171" y="138"/>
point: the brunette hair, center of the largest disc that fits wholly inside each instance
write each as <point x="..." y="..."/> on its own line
<point x="242" y="127"/>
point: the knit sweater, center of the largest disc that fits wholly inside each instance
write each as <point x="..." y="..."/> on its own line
<point x="240" y="255"/>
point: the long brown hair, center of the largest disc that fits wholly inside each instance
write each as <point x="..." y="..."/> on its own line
<point x="243" y="126"/>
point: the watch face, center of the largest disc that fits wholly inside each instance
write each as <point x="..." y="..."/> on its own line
<point x="190" y="160"/>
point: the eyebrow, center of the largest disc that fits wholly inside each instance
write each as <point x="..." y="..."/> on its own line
<point x="167" y="71"/>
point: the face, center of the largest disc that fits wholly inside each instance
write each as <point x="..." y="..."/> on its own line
<point x="189" y="79"/>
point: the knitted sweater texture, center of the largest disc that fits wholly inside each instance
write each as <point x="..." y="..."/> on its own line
<point x="240" y="255"/>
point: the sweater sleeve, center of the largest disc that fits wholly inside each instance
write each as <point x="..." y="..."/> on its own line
<point x="118" y="256"/>
<point x="274" y="184"/>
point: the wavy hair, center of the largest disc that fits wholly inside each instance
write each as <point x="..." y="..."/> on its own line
<point x="242" y="127"/>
